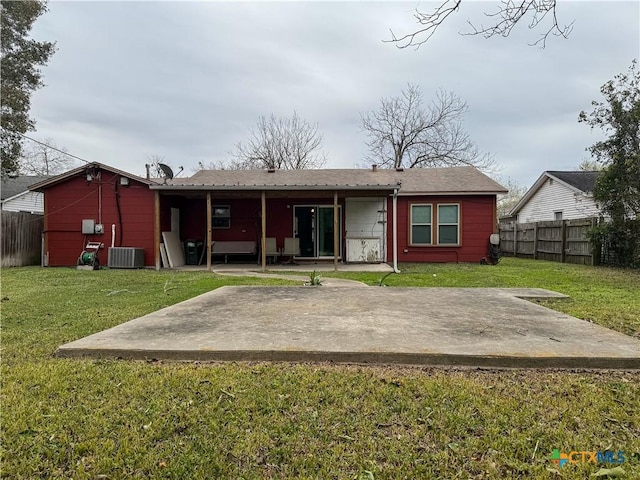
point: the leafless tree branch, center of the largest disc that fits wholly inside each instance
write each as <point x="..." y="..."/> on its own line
<point x="430" y="23"/>
<point x="507" y="201"/>
<point x="282" y="143"/>
<point x="404" y="133"/>
<point x="508" y="14"/>
<point x="44" y="158"/>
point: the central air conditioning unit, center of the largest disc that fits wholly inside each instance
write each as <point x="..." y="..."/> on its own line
<point x="126" y="257"/>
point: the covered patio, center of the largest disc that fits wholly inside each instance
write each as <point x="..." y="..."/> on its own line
<point x="260" y="218"/>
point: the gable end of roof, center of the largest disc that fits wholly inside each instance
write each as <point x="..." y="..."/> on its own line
<point x="82" y="170"/>
<point x="578" y="181"/>
<point x="585" y="181"/>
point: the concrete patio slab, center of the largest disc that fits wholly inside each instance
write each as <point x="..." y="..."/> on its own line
<point x="427" y="326"/>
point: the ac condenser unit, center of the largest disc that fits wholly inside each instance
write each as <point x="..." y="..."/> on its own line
<point x="126" y="257"/>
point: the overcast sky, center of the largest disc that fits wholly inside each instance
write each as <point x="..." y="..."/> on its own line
<point x="187" y="80"/>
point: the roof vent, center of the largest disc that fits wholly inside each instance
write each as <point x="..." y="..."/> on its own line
<point x="374" y="168"/>
<point x="271" y="170"/>
<point x="399" y="169"/>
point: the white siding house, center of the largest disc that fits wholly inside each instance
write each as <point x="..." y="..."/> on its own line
<point x="31" y="202"/>
<point x="558" y="196"/>
<point x="16" y="197"/>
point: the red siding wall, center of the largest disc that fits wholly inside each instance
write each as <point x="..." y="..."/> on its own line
<point x="69" y="202"/>
<point x="476" y="224"/>
<point x="477" y="218"/>
<point x="245" y="218"/>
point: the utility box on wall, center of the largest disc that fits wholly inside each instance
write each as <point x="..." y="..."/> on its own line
<point x="88" y="226"/>
<point x="126" y="257"/>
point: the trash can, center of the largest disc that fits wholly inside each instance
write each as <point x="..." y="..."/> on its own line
<point x="193" y="251"/>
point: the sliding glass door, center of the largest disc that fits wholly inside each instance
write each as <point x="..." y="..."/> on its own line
<point x="313" y="225"/>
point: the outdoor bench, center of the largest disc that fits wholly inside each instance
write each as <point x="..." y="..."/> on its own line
<point x="239" y="247"/>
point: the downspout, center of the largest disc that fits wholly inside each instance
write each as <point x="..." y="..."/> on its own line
<point x="395" y="231"/>
<point x="263" y="234"/>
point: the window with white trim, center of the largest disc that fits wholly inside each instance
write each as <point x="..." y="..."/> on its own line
<point x="421" y="224"/>
<point x="448" y="224"/>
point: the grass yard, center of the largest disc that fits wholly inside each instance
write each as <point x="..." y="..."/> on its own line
<point x="118" y="419"/>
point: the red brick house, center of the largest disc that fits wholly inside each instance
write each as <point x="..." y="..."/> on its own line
<point x="352" y="215"/>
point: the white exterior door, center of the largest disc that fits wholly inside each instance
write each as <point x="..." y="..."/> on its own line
<point x="365" y="221"/>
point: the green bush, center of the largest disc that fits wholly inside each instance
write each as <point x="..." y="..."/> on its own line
<point x="619" y="242"/>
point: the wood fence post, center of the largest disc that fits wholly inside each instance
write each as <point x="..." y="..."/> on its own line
<point x="596" y="247"/>
<point x="535" y="241"/>
<point x="515" y="239"/>
<point x="563" y="243"/>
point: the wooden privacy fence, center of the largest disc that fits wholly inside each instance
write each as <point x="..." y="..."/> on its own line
<point x="20" y="238"/>
<point x="556" y="241"/>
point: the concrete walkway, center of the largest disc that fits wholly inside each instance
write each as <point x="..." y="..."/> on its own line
<point x="427" y="326"/>
<point x="246" y="271"/>
<point x="251" y="270"/>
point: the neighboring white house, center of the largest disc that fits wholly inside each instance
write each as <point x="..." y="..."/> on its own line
<point x="16" y="197"/>
<point x="558" y="196"/>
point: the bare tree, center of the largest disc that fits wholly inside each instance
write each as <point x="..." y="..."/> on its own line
<point x="221" y="165"/>
<point x="509" y="200"/>
<point x="154" y="165"/>
<point x="282" y="143"/>
<point x="154" y="169"/>
<point x="540" y="13"/>
<point x="44" y="158"/>
<point x="404" y="133"/>
<point x="590" y="165"/>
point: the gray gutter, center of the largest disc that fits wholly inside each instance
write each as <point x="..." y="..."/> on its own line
<point x="450" y="193"/>
<point x="273" y="187"/>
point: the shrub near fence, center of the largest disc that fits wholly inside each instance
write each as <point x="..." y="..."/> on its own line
<point x="557" y="241"/>
<point x="21" y="238"/>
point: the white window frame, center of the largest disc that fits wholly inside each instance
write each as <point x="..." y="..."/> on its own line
<point x="457" y="223"/>
<point x="411" y="223"/>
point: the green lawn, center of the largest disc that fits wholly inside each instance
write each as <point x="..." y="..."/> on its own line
<point x="118" y="419"/>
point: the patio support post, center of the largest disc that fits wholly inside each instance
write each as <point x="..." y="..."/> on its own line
<point x="263" y="236"/>
<point x="156" y="229"/>
<point x="336" y="230"/>
<point x="209" y="226"/>
<point x="395" y="231"/>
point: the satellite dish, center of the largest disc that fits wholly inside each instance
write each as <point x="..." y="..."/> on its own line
<point x="166" y="169"/>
